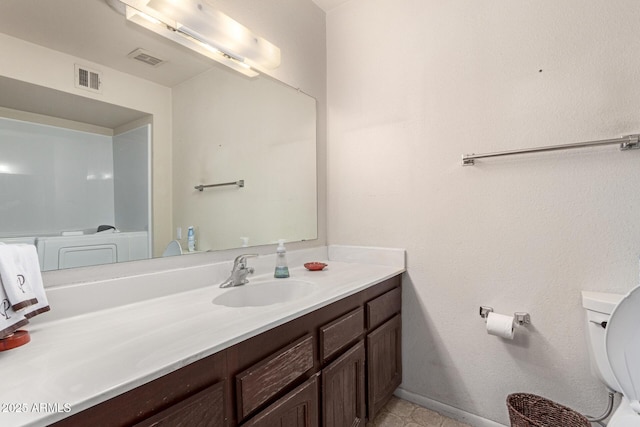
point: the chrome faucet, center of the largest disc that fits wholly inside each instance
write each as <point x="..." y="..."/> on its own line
<point x="239" y="272"/>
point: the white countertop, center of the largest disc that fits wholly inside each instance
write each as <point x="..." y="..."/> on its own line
<point x="79" y="361"/>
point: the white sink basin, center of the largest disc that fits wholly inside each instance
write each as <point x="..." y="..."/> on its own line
<point x="261" y="293"/>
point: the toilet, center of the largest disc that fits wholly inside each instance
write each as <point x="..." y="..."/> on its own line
<point x="614" y="347"/>
<point x="173" y="249"/>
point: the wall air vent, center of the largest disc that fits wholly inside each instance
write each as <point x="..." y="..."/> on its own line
<point x="86" y="78"/>
<point x="146" y="57"/>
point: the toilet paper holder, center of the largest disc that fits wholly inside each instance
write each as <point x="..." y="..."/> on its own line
<point x="520" y="318"/>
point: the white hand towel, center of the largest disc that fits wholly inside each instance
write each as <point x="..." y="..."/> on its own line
<point x="10" y="321"/>
<point x="18" y="290"/>
<point x="28" y="266"/>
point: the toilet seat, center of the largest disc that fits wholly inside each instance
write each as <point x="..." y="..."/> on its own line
<point x="622" y="340"/>
<point x="173" y="249"/>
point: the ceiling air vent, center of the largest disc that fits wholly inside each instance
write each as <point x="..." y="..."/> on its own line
<point x="146" y="57"/>
<point x="86" y="78"/>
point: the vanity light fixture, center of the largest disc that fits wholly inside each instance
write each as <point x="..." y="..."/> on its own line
<point x="198" y="26"/>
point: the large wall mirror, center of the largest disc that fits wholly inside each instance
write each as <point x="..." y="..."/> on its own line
<point x="78" y="174"/>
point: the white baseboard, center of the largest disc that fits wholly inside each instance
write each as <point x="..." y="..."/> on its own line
<point x="446" y="410"/>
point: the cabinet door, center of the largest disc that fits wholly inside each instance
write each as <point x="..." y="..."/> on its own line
<point x="343" y="392"/>
<point x="384" y="359"/>
<point x="204" y="409"/>
<point x="299" y="408"/>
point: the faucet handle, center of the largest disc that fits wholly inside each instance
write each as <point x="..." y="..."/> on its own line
<point x="240" y="259"/>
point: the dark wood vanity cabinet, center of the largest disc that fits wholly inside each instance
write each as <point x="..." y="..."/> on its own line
<point x="343" y="390"/>
<point x="261" y="382"/>
<point x="204" y="409"/>
<point x="198" y="389"/>
<point x="384" y="357"/>
<point x="333" y="367"/>
<point x="298" y="408"/>
<point x="384" y="349"/>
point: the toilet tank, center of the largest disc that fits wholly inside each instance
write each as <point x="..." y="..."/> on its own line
<point x="599" y="306"/>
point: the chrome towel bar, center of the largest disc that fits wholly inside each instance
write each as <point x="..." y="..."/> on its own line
<point x="239" y="183"/>
<point x="629" y="142"/>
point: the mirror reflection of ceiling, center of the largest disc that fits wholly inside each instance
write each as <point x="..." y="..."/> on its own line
<point x="327" y="5"/>
<point x="72" y="27"/>
<point x="18" y="95"/>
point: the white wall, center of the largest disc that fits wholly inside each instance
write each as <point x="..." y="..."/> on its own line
<point x="412" y="85"/>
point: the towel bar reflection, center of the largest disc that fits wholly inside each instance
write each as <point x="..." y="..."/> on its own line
<point x="629" y="142"/>
<point x="239" y="183"/>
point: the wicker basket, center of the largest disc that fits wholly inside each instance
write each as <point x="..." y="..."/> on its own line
<point x="529" y="410"/>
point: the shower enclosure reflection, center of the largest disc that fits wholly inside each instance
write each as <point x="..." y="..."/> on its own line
<point x="63" y="190"/>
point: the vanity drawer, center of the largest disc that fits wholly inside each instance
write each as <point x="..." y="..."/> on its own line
<point x="205" y="409"/>
<point x="259" y="383"/>
<point x="383" y="307"/>
<point x="297" y="408"/>
<point x="340" y="333"/>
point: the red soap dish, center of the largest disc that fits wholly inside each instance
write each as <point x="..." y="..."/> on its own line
<point x="14" y="340"/>
<point x="315" y="266"/>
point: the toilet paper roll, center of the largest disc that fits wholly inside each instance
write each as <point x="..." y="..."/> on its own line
<point x="500" y="325"/>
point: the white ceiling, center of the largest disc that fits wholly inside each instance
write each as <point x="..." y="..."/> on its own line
<point x="327" y="5"/>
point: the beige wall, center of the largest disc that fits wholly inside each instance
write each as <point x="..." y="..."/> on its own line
<point x="45" y="67"/>
<point x="412" y="85"/>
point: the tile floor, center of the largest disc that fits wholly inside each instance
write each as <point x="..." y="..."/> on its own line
<point x="400" y="413"/>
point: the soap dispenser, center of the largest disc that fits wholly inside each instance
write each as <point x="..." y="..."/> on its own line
<point x="282" y="271"/>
